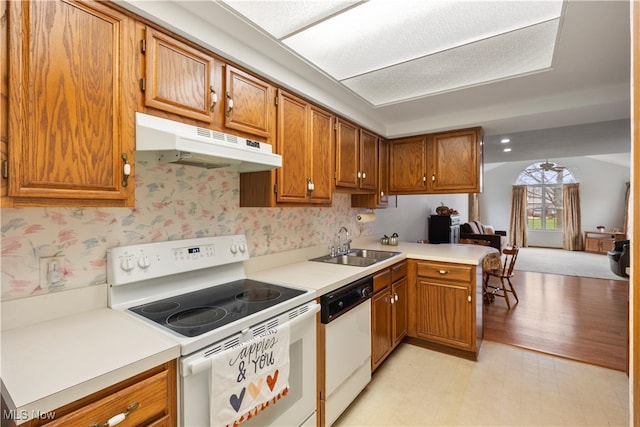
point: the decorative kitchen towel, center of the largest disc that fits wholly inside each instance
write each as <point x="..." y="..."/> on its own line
<point x="249" y="377"/>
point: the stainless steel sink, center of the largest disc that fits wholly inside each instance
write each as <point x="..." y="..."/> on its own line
<point x="349" y="260"/>
<point x="371" y="253"/>
<point x="357" y="257"/>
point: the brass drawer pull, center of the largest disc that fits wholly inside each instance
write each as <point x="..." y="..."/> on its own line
<point x="443" y="271"/>
<point x="117" y="419"/>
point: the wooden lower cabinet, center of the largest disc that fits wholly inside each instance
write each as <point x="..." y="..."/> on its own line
<point x="599" y="242"/>
<point x="388" y="311"/>
<point x="445" y="307"/>
<point x="149" y="398"/>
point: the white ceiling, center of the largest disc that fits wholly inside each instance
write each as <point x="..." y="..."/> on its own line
<point x="542" y="112"/>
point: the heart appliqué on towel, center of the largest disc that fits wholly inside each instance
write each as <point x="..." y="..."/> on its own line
<point x="254" y="389"/>
<point x="271" y="380"/>
<point x="237" y="401"/>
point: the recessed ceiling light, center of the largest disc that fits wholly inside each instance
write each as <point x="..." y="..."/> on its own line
<point x="505" y="140"/>
<point x="506" y="150"/>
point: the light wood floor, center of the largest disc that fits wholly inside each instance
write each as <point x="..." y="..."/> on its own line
<point x="578" y="318"/>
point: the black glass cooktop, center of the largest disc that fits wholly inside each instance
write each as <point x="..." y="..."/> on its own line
<point x="197" y="312"/>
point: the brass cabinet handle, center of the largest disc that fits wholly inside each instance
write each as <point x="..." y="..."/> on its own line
<point x="126" y="170"/>
<point x="214" y="98"/>
<point x="310" y="185"/>
<point x="117" y="419"/>
<point x="433" y="178"/>
<point x="229" y="104"/>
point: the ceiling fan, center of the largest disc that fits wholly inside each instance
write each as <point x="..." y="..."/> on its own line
<point x="548" y="166"/>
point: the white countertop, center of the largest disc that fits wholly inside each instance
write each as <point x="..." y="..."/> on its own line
<point x="56" y="361"/>
<point x="325" y="277"/>
<point x="50" y="364"/>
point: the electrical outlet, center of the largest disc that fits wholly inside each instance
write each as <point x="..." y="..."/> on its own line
<point x="51" y="272"/>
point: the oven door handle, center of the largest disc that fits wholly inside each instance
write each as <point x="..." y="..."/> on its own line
<point x="204" y="363"/>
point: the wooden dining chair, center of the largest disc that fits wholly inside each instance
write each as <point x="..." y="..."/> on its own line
<point x="505" y="273"/>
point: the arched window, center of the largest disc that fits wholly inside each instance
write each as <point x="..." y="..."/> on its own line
<point x="544" y="194"/>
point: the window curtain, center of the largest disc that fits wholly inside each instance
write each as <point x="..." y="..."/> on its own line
<point x="572" y="219"/>
<point x="474" y="207"/>
<point x="518" y="224"/>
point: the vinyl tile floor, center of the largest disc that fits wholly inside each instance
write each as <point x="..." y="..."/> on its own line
<point x="507" y="386"/>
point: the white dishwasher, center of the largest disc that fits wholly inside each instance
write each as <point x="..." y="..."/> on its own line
<point x="346" y="319"/>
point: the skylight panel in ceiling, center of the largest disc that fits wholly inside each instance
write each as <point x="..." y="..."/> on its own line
<point x="509" y="55"/>
<point x="381" y="33"/>
<point x="282" y="17"/>
<point x="387" y="51"/>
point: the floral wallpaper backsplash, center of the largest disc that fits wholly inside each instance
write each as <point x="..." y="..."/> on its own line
<point x="172" y="202"/>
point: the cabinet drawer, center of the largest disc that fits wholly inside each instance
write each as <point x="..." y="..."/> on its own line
<point x="381" y="279"/>
<point x="445" y="271"/>
<point x="150" y="394"/>
<point x="398" y="271"/>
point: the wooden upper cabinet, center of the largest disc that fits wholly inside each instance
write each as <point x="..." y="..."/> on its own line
<point x="4" y="98"/>
<point x="356" y="158"/>
<point x="72" y="97"/>
<point x="305" y="141"/>
<point x="368" y="160"/>
<point x="321" y="140"/>
<point x="248" y="103"/>
<point x="408" y="165"/>
<point x="380" y="198"/>
<point x="347" y="159"/>
<point x="445" y="162"/>
<point x="293" y="128"/>
<point x="179" y="79"/>
<point x="456" y="166"/>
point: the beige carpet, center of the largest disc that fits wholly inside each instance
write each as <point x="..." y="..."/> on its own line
<point x="569" y="263"/>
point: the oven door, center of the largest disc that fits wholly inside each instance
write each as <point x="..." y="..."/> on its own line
<point x="298" y="408"/>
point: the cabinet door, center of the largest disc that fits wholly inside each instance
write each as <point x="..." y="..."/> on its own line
<point x="380" y="326"/>
<point x="293" y="147"/>
<point x="368" y="161"/>
<point x="249" y="103"/>
<point x="380" y="199"/>
<point x="407" y="165"/>
<point x="400" y="311"/>
<point x="456" y="161"/>
<point x="383" y="173"/>
<point x="444" y="313"/>
<point x="178" y="78"/>
<point x="72" y="97"/>
<point x="321" y="140"/>
<point x="347" y="144"/>
<point x="592" y="244"/>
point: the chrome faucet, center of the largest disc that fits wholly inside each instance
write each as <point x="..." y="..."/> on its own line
<point x="344" y="246"/>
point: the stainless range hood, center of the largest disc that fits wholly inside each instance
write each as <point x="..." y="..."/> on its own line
<point x="163" y="140"/>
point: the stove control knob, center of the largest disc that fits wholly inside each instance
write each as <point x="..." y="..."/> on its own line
<point x="233" y="249"/>
<point x="127" y="264"/>
<point x="143" y="262"/>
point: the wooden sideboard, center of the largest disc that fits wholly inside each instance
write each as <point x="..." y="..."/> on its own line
<point x="600" y="242"/>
